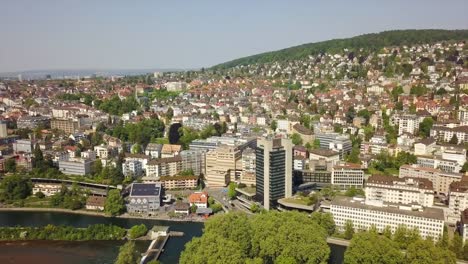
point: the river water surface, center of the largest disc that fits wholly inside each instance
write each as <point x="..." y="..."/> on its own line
<point x="94" y="252"/>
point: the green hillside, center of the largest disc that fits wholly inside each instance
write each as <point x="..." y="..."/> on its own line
<point x="369" y="42"/>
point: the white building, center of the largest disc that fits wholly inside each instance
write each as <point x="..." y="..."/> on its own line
<point x="48" y="189"/>
<point x="132" y="168"/>
<point x="458" y="198"/>
<point x="446" y="133"/>
<point x="347" y="175"/>
<point x="364" y="214"/>
<point x="424" y="147"/>
<point x="441" y="180"/>
<point x="390" y="189"/>
<point x="464" y="225"/>
<point x="407" y="123"/>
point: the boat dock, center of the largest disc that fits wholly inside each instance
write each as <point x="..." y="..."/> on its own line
<point x="159" y="235"/>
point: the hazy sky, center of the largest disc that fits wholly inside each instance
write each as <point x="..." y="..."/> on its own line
<point x="138" y="34"/>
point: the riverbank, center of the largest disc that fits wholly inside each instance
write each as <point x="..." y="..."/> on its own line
<point x="93" y="213"/>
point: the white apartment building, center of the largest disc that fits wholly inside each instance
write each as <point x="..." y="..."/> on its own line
<point x="390" y="189"/>
<point x="438" y="163"/>
<point x="364" y="214"/>
<point x="138" y="157"/>
<point x="440" y="180"/>
<point x="464" y="225"/>
<point x="424" y="147"/>
<point x="446" y="133"/>
<point x="407" y="123"/>
<point x="347" y="175"/>
<point x="163" y="167"/>
<point x="458" y="198"/>
<point x="132" y="168"/>
<point x="76" y="166"/>
<point x="48" y="189"/>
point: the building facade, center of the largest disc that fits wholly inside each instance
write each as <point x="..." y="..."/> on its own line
<point x="273" y="170"/>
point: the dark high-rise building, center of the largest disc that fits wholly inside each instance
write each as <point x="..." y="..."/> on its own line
<point x="273" y="170"/>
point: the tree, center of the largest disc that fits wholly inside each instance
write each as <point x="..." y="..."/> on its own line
<point x="296" y="139"/>
<point x="97" y="167"/>
<point x="15" y="187"/>
<point x="136" y="148"/>
<point x="38" y="156"/>
<point x="454" y="139"/>
<point x="270" y="237"/>
<point x="232" y="190"/>
<point x="400" y="236"/>
<point x="353" y="157"/>
<point x="114" y="203"/>
<point x="368" y="247"/>
<point x="273" y="125"/>
<point x="387" y="232"/>
<point x="425" y="127"/>
<point x="169" y="113"/>
<point x="456" y="245"/>
<point x="316" y="144"/>
<point x="10" y="165"/>
<point x="128" y="254"/>
<point x="349" y="230"/>
<point x="443" y="242"/>
<point x="325" y="220"/>
<point x="137" y="231"/>
<point x="465" y="251"/>
<point x="424" y="252"/>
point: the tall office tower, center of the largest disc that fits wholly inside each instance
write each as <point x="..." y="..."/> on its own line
<point x="273" y="168"/>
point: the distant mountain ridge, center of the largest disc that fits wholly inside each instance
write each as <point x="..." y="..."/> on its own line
<point x="372" y="42"/>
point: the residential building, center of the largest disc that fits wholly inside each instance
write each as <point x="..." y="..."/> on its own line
<point x="273" y="170"/>
<point x="458" y="197"/>
<point x="142" y="158"/>
<point x="153" y="150"/>
<point x="144" y="198"/>
<point x="199" y="199"/>
<point x="193" y="160"/>
<point x="446" y="133"/>
<point x="441" y="180"/>
<point x="163" y="167"/>
<point x="407" y="123"/>
<point x="407" y="190"/>
<point x="347" y="175"/>
<point x="425" y="146"/>
<point x="132" y="168"/>
<point x="464" y="225"/>
<point x="76" y="166"/>
<point x="366" y="213"/>
<point x="177" y="182"/>
<point x="33" y="122"/>
<point x="68" y="126"/>
<point x="170" y="150"/>
<point x="3" y="130"/>
<point x="248" y="167"/>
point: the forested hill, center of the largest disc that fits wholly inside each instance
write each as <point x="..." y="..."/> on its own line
<point x="370" y="42"/>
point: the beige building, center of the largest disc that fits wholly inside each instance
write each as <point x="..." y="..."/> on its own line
<point x="223" y="164"/>
<point x="163" y="167"/>
<point x="178" y="182"/>
<point x="441" y="180"/>
<point x="69" y="126"/>
<point x="458" y="198"/>
<point x="400" y="190"/>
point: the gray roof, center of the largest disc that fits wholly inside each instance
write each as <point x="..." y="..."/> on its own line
<point x="145" y="189"/>
<point x="204" y="211"/>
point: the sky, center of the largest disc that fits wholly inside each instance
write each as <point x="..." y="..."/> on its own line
<point x="139" y="34"/>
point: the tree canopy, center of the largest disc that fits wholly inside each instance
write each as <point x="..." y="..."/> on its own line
<point x="272" y="237"/>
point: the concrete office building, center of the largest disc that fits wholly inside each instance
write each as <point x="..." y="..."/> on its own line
<point x="390" y="189"/>
<point x="223" y="164"/>
<point x="163" y="167"/>
<point x="144" y="198"/>
<point x="132" y="168"/>
<point x="273" y="170"/>
<point x="336" y="142"/>
<point x="365" y="213"/>
<point x="33" y="122"/>
<point x="23" y="145"/>
<point x="76" y="166"/>
<point x="347" y="175"/>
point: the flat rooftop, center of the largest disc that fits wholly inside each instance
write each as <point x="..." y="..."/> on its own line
<point x="428" y="212"/>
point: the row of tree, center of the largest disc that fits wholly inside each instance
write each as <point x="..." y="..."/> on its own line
<point x="51" y="232"/>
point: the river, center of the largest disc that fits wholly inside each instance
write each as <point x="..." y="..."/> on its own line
<point x="94" y="252"/>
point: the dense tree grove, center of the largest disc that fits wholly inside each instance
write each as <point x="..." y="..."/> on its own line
<point x="367" y="247"/>
<point x="69" y="198"/>
<point x="137" y="231"/>
<point x="115" y="204"/>
<point x="15" y="187"/>
<point x="128" y="254"/>
<point x="115" y="106"/>
<point x="371" y="42"/>
<point x="51" y="232"/>
<point x="272" y="237"/>
<point x="142" y="132"/>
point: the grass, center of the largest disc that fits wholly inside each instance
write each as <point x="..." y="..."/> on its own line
<point x="298" y="200"/>
<point x="33" y="201"/>
<point x="249" y="189"/>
